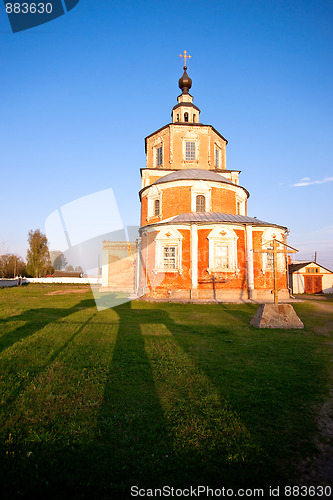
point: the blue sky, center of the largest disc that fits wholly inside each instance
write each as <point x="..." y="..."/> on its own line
<point x="79" y="94"/>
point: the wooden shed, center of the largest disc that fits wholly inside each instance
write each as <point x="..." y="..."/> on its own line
<point x="310" y="277"/>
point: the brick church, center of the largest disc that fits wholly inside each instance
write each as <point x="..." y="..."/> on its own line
<point x="196" y="240"/>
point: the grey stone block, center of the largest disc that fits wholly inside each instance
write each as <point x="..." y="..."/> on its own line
<point x="276" y="316"/>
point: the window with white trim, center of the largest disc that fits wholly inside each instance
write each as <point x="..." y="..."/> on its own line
<point x="169" y="257"/>
<point x="200" y="203"/>
<point x="270" y="257"/>
<point x="154" y="202"/>
<point x="222" y="250"/>
<point x="222" y="255"/>
<point x="157" y="207"/>
<point x="190" y="150"/>
<point x="159" y="156"/>
<point x="201" y="188"/>
<point x="217" y="157"/>
<point x="168" y="251"/>
<point x="240" y="206"/>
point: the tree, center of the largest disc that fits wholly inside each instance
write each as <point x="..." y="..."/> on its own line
<point x="59" y="261"/>
<point x="38" y="256"/>
<point x="12" y="265"/>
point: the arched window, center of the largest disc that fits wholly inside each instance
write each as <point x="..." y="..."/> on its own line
<point x="185" y="117"/>
<point x="157" y="207"/>
<point x="177" y="117"/>
<point x="194" y="118"/>
<point x="200" y="203"/>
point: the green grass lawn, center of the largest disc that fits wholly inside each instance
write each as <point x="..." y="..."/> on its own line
<point x="153" y="394"/>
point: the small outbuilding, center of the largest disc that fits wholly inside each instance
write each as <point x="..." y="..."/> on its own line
<point x="309" y="277"/>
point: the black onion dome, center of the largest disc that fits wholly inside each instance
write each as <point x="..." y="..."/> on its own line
<point x="185" y="82"/>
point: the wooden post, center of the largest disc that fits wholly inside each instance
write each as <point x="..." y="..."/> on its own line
<point x="275" y="254"/>
<point x="276" y="290"/>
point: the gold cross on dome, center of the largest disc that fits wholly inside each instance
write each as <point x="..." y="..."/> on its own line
<point x="185" y="56"/>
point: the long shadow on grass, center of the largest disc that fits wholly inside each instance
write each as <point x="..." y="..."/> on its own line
<point x="131" y="436"/>
<point x="271" y="378"/>
<point x="35" y="320"/>
<point x="161" y="421"/>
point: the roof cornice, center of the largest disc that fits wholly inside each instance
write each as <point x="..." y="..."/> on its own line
<point x="182" y="124"/>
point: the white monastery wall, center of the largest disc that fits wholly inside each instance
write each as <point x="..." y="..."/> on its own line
<point x="78" y="281"/>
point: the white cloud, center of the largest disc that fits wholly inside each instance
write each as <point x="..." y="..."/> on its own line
<point x="306" y="181"/>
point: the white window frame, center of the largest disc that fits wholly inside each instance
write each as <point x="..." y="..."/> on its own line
<point x="241" y="202"/>
<point x="224" y="246"/>
<point x="156" y="148"/>
<point x="151" y="204"/>
<point x="267" y="243"/>
<point x="170" y="258"/>
<point x="159" y="207"/>
<point x="218" y="156"/>
<point x="196" y="203"/>
<point x="190" y="151"/>
<point x="168" y="237"/>
<point x="201" y="188"/>
<point x="196" y="149"/>
<point x="228" y="238"/>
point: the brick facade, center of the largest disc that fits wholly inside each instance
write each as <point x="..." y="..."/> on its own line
<point x="196" y="240"/>
<point x="217" y="258"/>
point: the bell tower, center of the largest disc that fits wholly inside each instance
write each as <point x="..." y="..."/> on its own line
<point x="185" y="111"/>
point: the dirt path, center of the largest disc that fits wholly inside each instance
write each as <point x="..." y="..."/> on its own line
<point x="69" y="290"/>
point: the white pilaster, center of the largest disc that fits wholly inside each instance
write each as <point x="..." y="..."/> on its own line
<point x="105" y="268"/>
<point x="249" y="262"/>
<point x="194" y="255"/>
<point x="138" y="266"/>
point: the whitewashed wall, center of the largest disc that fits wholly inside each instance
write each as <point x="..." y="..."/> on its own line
<point x="7" y="282"/>
<point x="79" y="281"/>
<point x="328" y="283"/>
<point x="298" y="283"/>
